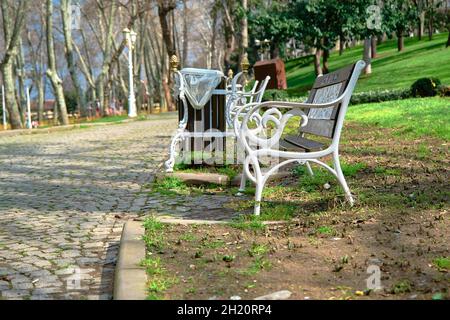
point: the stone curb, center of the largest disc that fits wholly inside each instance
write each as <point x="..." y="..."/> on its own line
<point x="182" y="221"/>
<point x="202" y="178"/>
<point x="196" y="179"/>
<point x="130" y="279"/>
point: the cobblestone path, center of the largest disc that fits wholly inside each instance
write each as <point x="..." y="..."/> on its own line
<point x="64" y="197"/>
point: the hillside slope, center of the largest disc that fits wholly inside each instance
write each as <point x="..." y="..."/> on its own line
<point x="391" y="69"/>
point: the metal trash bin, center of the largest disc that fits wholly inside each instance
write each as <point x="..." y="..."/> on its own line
<point x="273" y="68"/>
<point x="210" y="118"/>
<point x="201" y="101"/>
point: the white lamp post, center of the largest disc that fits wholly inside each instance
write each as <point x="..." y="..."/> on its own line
<point x="29" y="126"/>
<point x="130" y="36"/>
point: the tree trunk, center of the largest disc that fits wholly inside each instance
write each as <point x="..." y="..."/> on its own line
<point x="55" y="114"/>
<point x="229" y="32"/>
<point x="448" y="39"/>
<point x="12" y="29"/>
<point x="244" y="32"/>
<point x="51" y="71"/>
<point x="341" y="45"/>
<point x="229" y="48"/>
<point x="66" y="19"/>
<point x="212" y="51"/>
<point x="326" y="56"/>
<point x="430" y="26"/>
<point x="21" y="95"/>
<point x="41" y="100"/>
<point x="185" y="33"/>
<point x="164" y="8"/>
<point x="317" y="66"/>
<point x="374" y="45"/>
<point x="400" y="41"/>
<point x="10" y="97"/>
<point x="107" y="58"/>
<point x="274" y="50"/>
<point x="421" y="26"/>
<point x="367" y="55"/>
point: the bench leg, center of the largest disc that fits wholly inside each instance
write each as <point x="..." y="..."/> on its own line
<point x="176" y="140"/>
<point x="242" y="185"/>
<point x="258" y="196"/>
<point x="341" y="178"/>
<point x="308" y="167"/>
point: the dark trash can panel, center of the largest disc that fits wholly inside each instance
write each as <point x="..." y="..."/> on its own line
<point x="210" y="117"/>
<point x="273" y="68"/>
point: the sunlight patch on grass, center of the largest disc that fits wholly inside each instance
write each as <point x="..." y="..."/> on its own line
<point x="411" y="117"/>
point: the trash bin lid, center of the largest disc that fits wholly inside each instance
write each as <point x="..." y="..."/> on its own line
<point x="199" y="85"/>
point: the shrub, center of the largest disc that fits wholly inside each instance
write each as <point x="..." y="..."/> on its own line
<point x="380" y="96"/>
<point x="425" y="87"/>
<point x="71" y="101"/>
<point x="370" y="96"/>
<point x="275" y="95"/>
<point x="444" y="91"/>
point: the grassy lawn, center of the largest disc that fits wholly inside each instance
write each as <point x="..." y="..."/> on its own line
<point x="391" y="69"/>
<point x="395" y="158"/>
<point x="108" y="119"/>
<point x="411" y="117"/>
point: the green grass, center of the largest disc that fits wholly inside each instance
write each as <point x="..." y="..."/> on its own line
<point x="258" y="250"/>
<point x="159" y="279"/>
<point x="154" y="233"/>
<point x="109" y="119"/>
<point x="247" y="223"/>
<point x="321" y="176"/>
<point x="411" y="117"/>
<point x="214" y="244"/>
<point x="229" y="170"/>
<point x="170" y="186"/>
<point x="325" y="230"/>
<point x="442" y="263"/>
<point x="153" y="266"/>
<point x="258" y="264"/>
<point x="390" y="70"/>
<point x="400" y="287"/>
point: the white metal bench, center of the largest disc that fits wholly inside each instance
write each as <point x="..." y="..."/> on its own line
<point x="321" y="115"/>
<point x="236" y="97"/>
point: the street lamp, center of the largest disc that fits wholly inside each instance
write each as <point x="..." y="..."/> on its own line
<point x="266" y="45"/>
<point x="264" y="48"/>
<point x="260" y="50"/>
<point x="130" y="37"/>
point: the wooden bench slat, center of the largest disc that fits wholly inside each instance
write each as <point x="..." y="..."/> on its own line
<point x="304" y="143"/>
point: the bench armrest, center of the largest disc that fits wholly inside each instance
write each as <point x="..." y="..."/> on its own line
<point x="252" y="138"/>
<point x="272" y="114"/>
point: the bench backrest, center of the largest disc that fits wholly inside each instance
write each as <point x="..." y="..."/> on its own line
<point x="326" y="88"/>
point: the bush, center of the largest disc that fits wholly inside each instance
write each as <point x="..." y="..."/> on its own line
<point x="71" y="101"/>
<point x="425" y="87"/>
<point x="380" y="96"/>
<point x="444" y="91"/>
<point x="275" y="95"/>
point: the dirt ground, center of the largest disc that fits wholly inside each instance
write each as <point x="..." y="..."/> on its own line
<point x="219" y="262"/>
<point x="325" y="249"/>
